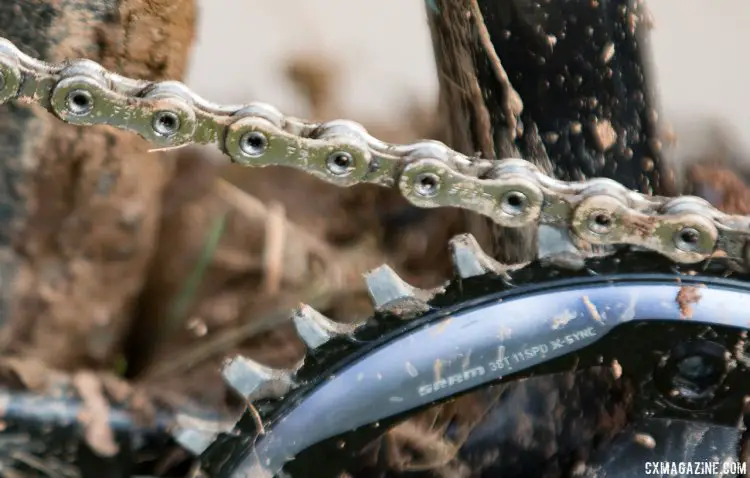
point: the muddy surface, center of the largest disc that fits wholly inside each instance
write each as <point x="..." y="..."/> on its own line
<point x="686" y="298"/>
<point x="88" y="205"/>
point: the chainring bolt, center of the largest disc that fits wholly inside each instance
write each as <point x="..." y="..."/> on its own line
<point x="695" y="376"/>
<point x="254" y="143"/>
<point x="427" y="184"/>
<point x="690" y="375"/>
<point x="166" y="123"/>
<point x="340" y="163"/>
<point x="79" y="102"/>
<point x="688" y="239"/>
<point x="514" y="203"/>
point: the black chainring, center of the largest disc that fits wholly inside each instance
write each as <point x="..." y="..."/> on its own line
<point x="678" y="333"/>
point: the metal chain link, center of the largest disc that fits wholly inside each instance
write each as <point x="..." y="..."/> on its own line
<point x="512" y="192"/>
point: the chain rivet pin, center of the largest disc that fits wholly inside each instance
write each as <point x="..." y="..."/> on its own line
<point x="254" y="143"/>
<point x="427" y="184"/>
<point x="514" y="203"/>
<point x="600" y="222"/>
<point x="340" y="163"/>
<point x="688" y="239"/>
<point x="79" y="102"/>
<point x="165" y="123"/>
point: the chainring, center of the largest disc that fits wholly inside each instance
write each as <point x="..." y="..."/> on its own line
<point x="635" y="309"/>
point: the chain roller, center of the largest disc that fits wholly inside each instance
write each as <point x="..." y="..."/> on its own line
<point x="512" y="192"/>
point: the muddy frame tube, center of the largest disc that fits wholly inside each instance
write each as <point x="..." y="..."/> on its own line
<point x="564" y="84"/>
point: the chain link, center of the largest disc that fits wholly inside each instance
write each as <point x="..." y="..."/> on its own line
<point x="511" y="192"/>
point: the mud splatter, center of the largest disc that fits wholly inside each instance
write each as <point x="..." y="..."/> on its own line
<point x="562" y="319"/>
<point x="441" y="327"/>
<point x="642" y="225"/>
<point x="645" y="440"/>
<point x="616" y="369"/>
<point x="438" y="369"/>
<point x="592" y="309"/>
<point x="604" y="135"/>
<point x="686" y="298"/>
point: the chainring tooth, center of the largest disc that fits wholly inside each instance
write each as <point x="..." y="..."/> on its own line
<point x="315" y="329"/>
<point x="328" y="342"/>
<point x="196" y="434"/>
<point x="394" y="300"/>
<point x="254" y="381"/>
<point x="390" y="293"/>
<point x="469" y="260"/>
<point x="462" y="293"/>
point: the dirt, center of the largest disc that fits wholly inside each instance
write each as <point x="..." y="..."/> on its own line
<point x="686" y="298"/>
<point x="645" y="440"/>
<point x="641" y="225"/>
<point x="593" y="311"/>
<point x="718" y="171"/>
<point x="721" y="185"/>
<point x="94" y="194"/>
<point x="604" y="135"/>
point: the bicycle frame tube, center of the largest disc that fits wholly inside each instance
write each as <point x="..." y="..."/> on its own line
<point x="563" y="83"/>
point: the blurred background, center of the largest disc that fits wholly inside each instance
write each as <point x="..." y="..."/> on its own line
<point x="383" y="56"/>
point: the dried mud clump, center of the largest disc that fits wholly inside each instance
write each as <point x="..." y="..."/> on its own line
<point x="686" y="298"/>
<point x="92" y="195"/>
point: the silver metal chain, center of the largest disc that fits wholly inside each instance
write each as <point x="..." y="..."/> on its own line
<point x="512" y="192"/>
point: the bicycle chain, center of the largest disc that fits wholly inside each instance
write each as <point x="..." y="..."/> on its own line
<point x="512" y="192"/>
<point x="578" y="220"/>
